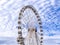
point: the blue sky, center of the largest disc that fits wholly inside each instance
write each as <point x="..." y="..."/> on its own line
<point x="49" y="12"/>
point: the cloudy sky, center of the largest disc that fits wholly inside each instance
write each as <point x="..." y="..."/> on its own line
<point x="49" y="11"/>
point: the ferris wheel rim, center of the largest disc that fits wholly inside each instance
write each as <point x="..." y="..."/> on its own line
<point x="36" y="14"/>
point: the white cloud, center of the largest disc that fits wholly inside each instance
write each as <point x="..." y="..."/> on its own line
<point x="2" y="1"/>
<point x="52" y="2"/>
<point x="52" y="37"/>
<point x="8" y="34"/>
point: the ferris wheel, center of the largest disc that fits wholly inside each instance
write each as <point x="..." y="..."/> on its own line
<point x="28" y="21"/>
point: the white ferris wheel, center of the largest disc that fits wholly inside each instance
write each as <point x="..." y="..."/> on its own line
<point x="28" y="22"/>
